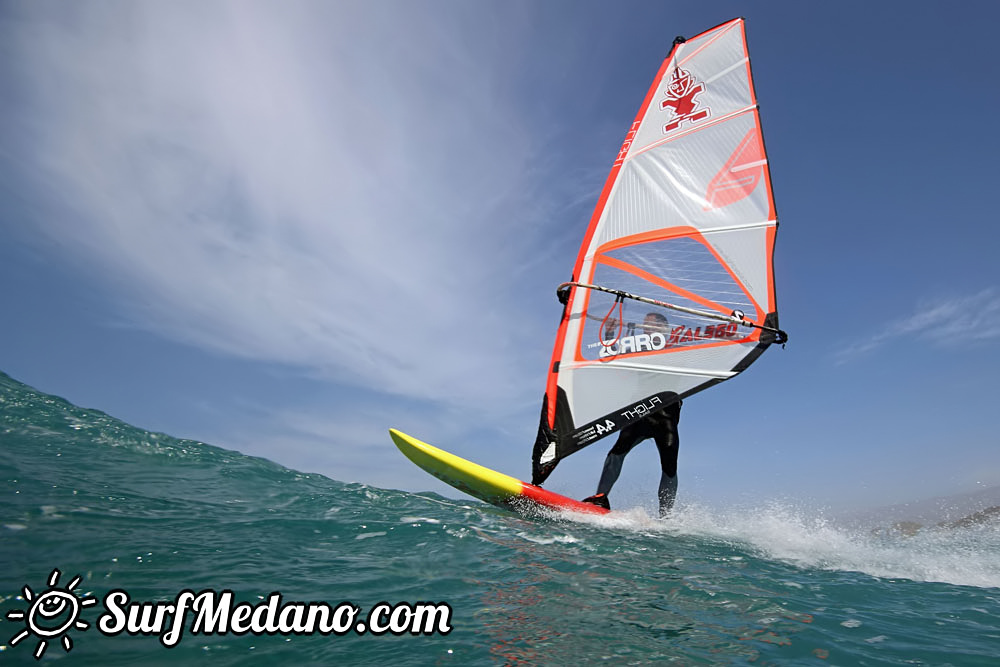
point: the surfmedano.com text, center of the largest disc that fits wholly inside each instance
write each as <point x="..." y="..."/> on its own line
<point x="215" y="613"/>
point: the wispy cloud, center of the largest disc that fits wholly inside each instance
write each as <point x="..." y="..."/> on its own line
<point x="324" y="185"/>
<point x="944" y="322"/>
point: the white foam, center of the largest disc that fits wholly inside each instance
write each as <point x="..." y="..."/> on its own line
<point x="365" y="536"/>
<point x="550" y="539"/>
<point x="808" y="539"/>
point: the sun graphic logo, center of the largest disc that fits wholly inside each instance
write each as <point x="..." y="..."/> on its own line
<point x="52" y="614"/>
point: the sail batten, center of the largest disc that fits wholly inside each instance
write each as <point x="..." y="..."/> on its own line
<point x="673" y="287"/>
<point x="681" y="135"/>
<point x="699" y="372"/>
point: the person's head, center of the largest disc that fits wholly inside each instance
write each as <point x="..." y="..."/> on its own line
<point x="655" y="323"/>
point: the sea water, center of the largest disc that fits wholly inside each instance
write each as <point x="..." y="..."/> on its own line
<point x="90" y="506"/>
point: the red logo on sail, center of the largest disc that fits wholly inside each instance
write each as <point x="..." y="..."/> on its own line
<point x="681" y="93"/>
<point x="740" y="175"/>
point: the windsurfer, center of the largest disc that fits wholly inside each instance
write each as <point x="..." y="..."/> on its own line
<point x="661" y="426"/>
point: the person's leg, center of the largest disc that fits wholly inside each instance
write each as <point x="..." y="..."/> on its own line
<point x="627" y="439"/>
<point x="668" y="445"/>
<point x="667" y="493"/>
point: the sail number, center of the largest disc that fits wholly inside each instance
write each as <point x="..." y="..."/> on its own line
<point x="606" y="427"/>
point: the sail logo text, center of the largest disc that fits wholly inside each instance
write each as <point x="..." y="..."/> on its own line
<point x="627" y="143"/>
<point x="642" y="409"/>
<point x="658" y="341"/>
<point x="681" y="93"/>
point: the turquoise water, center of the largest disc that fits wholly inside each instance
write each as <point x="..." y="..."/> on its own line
<point x="126" y="509"/>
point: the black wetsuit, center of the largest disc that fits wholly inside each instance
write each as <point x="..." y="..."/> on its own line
<point x="661" y="426"/>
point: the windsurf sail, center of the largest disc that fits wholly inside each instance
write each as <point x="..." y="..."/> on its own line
<point x="673" y="287"/>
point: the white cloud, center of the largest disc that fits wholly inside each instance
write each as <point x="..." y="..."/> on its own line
<point x="946" y="322"/>
<point x="327" y="186"/>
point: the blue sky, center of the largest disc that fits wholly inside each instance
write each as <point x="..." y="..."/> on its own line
<point x="284" y="228"/>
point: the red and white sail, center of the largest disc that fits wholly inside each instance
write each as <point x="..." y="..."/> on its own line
<point x="686" y="222"/>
